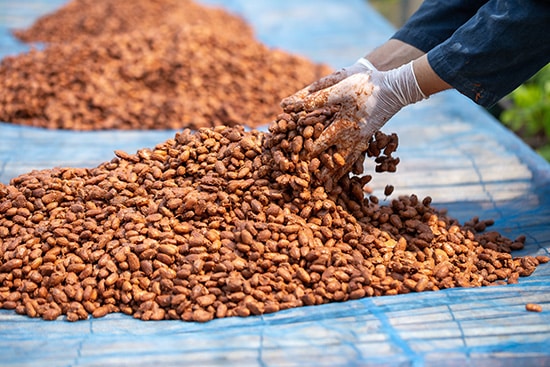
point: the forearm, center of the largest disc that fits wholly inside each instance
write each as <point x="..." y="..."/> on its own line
<point x="434" y="22"/>
<point x="428" y="80"/>
<point x="393" y="54"/>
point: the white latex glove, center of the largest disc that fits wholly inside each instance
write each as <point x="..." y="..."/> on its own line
<point x="361" y="65"/>
<point x="366" y="98"/>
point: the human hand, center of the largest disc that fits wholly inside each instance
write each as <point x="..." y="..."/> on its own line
<point x="361" y="65"/>
<point x="366" y="99"/>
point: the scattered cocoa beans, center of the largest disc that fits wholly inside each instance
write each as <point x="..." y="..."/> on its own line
<point x="225" y="222"/>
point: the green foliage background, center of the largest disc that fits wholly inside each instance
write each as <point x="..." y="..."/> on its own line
<point x="528" y="112"/>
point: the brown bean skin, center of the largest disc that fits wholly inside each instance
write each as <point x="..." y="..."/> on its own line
<point x="533" y="307"/>
<point x="224" y="222"/>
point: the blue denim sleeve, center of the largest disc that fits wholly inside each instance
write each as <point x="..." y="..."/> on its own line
<point x="435" y="21"/>
<point x="495" y="49"/>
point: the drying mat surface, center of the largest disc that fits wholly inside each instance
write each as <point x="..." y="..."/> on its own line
<point x="450" y="149"/>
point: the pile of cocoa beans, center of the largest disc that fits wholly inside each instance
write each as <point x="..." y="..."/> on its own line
<point x="225" y="222"/>
<point x="84" y="19"/>
<point x="165" y="64"/>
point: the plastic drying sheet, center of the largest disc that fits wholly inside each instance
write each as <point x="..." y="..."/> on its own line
<point x="450" y="149"/>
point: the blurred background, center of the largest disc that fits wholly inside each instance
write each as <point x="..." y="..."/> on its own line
<point x="396" y="11"/>
<point x="526" y="111"/>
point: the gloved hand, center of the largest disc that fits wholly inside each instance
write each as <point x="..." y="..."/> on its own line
<point x="366" y="98"/>
<point x="361" y="65"/>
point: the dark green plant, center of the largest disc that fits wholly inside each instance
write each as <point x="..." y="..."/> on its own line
<point x="529" y="112"/>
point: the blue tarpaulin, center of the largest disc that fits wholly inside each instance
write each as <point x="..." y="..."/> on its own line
<point x="450" y="149"/>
